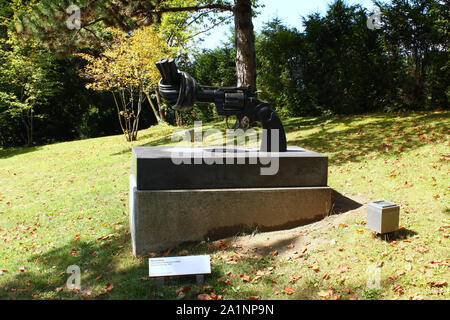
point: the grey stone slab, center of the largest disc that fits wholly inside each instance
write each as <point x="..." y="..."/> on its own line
<point x="162" y="219"/>
<point x="175" y="168"/>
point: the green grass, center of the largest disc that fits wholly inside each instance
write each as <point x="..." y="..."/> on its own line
<point x="67" y="203"/>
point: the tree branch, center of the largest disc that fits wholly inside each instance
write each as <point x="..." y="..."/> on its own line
<point x="191" y="8"/>
<point x="208" y="29"/>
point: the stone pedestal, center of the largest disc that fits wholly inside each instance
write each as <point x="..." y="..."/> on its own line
<point x="172" y="201"/>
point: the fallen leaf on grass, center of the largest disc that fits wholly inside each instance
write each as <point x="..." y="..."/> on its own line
<point x="186" y="288"/>
<point x="226" y="281"/>
<point x="211" y="296"/>
<point x="181" y="295"/>
<point x="315" y="267"/>
<point x="294" y="278"/>
<point x="398" y="274"/>
<point x="408" y="185"/>
<point x="325" y="294"/>
<point x="109" y="287"/>
<point x="245" y="277"/>
<point x="253" y="298"/>
<point x="436" y="292"/>
<point x="257" y="278"/>
<point x="438" y="284"/>
<point x="288" y="290"/>
<point x="398" y="290"/>
<point x="342" y="269"/>
<point x="208" y="288"/>
<point x="422" y="249"/>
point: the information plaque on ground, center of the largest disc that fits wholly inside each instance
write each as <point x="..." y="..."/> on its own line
<point x="179" y="266"/>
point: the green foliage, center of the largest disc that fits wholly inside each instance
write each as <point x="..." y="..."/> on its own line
<point x="343" y="67"/>
<point x="214" y="67"/>
<point x="416" y="34"/>
<point x="70" y="24"/>
<point x="210" y="67"/>
<point x="61" y="105"/>
<point x="27" y="80"/>
<point x="337" y="65"/>
<point x="278" y="49"/>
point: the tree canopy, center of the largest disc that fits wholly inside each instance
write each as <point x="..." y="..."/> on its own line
<point x="335" y="64"/>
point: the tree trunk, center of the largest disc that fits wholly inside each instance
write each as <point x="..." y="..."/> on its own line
<point x="245" y="44"/>
<point x="152" y="106"/>
<point x="162" y="113"/>
<point x="27" y="119"/>
<point x="135" y="129"/>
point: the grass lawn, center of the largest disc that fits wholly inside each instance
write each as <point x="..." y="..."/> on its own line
<point x="67" y="203"/>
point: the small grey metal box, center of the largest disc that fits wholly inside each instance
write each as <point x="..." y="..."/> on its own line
<point x="383" y="216"/>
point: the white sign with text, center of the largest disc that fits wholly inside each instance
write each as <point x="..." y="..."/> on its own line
<point x="179" y="266"/>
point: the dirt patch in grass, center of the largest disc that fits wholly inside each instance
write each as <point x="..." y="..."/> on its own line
<point x="298" y="241"/>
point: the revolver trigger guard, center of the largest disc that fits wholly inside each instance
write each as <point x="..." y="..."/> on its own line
<point x="239" y="124"/>
<point x="244" y="123"/>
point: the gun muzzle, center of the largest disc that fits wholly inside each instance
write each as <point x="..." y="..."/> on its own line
<point x="168" y="70"/>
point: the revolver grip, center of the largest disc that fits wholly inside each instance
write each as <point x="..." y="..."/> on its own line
<point x="273" y="131"/>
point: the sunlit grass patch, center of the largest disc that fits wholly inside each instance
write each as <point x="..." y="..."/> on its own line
<point x="67" y="203"/>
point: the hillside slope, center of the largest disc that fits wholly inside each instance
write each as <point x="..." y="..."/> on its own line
<point x="67" y="203"/>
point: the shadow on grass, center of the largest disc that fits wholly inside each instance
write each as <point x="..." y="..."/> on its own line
<point x="99" y="264"/>
<point x="154" y="143"/>
<point x="11" y="152"/>
<point x="387" y="136"/>
<point x="288" y="236"/>
<point x="342" y="204"/>
<point x="108" y="271"/>
<point x="344" y="139"/>
<point x="401" y="234"/>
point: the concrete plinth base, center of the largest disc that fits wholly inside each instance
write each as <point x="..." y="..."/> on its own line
<point x="161" y="219"/>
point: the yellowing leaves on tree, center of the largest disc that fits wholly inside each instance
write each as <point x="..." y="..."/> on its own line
<point x="127" y="69"/>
